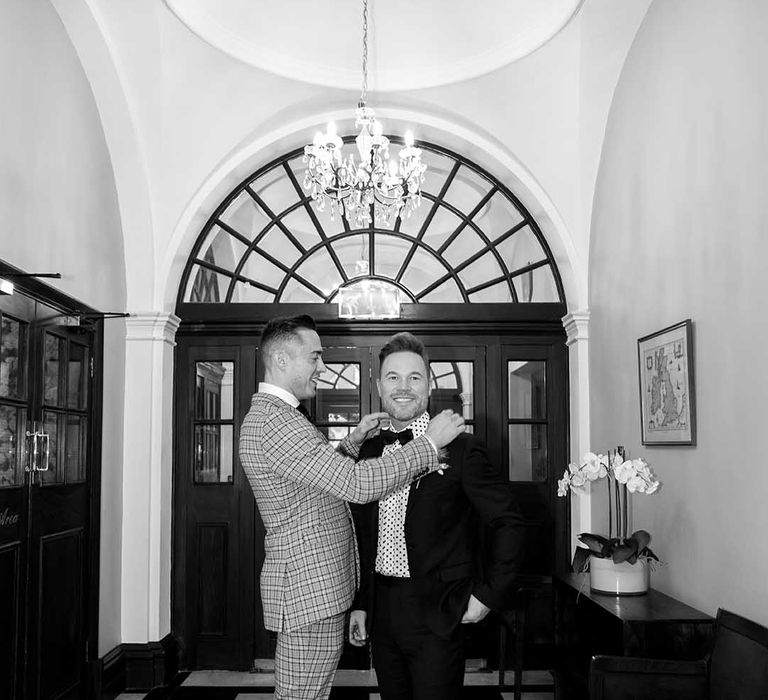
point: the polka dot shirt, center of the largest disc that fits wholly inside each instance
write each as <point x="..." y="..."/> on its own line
<point x="391" y="554"/>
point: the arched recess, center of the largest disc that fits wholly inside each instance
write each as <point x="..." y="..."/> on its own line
<point x="485" y="291"/>
<point x="471" y="241"/>
<point x="270" y="143"/>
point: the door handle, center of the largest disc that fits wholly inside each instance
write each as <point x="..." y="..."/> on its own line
<point x="46" y="452"/>
<point x="38" y="451"/>
<point x="32" y="451"/>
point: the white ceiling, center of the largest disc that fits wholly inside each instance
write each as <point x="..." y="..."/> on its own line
<point x="412" y="43"/>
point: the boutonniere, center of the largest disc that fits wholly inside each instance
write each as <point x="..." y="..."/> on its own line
<point x="442" y="467"/>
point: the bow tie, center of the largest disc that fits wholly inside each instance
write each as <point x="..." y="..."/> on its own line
<point x="402" y="437"/>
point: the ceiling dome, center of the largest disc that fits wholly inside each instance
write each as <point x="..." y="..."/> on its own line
<point x="411" y="44"/>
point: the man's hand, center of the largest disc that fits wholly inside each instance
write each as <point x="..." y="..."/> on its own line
<point x="367" y="427"/>
<point x="475" y="611"/>
<point x="445" y="427"/>
<point x="357" y="634"/>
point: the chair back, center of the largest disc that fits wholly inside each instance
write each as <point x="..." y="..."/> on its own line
<point x="738" y="663"/>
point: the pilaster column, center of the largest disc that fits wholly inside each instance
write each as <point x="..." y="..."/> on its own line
<point x="147" y="461"/>
<point x="576" y="326"/>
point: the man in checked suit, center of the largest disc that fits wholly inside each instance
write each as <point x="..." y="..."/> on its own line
<point x="301" y="484"/>
<point x="423" y="576"/>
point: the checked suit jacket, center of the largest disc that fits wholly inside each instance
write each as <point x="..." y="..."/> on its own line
<point x="301" y="485"/>
<point x="449" y="555"/>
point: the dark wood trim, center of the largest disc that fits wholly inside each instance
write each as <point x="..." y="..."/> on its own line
<point x="33" y="287"/>
<point x="109" y="675"/>
<point x="150" y="664"/>
<point x="92" y="587"/>
<point x="490" y="318"/>
<point x="139" y="667"/>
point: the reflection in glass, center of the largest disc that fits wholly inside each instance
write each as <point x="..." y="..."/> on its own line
<point x="214" y="397"/>
<point x="77" y="377"/>
<point x="51" y="428"/>
<point x="10" y="463"/>
<point x="338" y="397"/>
<point x="54" y="351"/>
<point x="528" y="452"/>
<point x="214" y="451"/>
<point x="74" y="463"/>
<point x="336" y="433"/>
<point x="12" y="349"/>
<point x="452" y="387"/>
<point x="527" y="390"/>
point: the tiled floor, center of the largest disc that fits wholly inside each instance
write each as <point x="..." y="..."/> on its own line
<point x="222" y="679"/>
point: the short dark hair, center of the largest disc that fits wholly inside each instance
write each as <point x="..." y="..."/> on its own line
<point x="281" y="329"/>
<point x="404" y="342"/>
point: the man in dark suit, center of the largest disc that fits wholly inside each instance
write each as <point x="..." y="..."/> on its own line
<point x="422" y="574"/>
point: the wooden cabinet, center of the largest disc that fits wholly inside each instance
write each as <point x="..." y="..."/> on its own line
<point x="654" y="625"/>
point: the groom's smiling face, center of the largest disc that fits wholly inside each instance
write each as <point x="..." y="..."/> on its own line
<point x="403" y="386"/>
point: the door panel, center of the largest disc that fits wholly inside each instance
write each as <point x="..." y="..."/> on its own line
<point x="58" y="648"/>
<point x="214" y="549"/>
<point x="45" y="415"/>
<point x="10" y="613"/>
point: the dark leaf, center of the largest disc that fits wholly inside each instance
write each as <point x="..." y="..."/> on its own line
<point x="642" y="538"/>
<point x="580" y="560"/>
<point x="624" y="552"/>
<point x="595" y="542"/>
<point x="646" y="552"/>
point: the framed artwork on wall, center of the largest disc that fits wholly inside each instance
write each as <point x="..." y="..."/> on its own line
<point x="667" y="405"/>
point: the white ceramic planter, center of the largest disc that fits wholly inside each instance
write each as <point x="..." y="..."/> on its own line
<point x="618" y="579"/>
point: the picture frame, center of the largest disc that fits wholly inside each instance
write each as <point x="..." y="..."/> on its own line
<point x="667" y="392"/>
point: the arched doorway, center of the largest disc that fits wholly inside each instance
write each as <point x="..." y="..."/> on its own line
<point x="474" y="278"/>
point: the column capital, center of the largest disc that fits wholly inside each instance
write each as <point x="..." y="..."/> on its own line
<point x="152" y="325"/>
<point x="576" y="326"/>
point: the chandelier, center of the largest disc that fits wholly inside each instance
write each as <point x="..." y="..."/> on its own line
<point x="374" y="184"/>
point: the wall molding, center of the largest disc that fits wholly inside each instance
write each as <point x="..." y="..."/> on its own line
<point x="137" y="667"/>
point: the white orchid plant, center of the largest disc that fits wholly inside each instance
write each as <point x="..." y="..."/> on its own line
<point x="623" y="476"/>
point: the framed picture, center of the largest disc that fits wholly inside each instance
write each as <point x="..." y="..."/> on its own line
<point x="667" y="406"/>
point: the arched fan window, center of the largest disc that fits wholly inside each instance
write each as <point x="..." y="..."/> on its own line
<point x="470" y="241"/>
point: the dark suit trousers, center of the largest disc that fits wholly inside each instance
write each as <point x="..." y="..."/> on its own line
<point x="411" y="662"/>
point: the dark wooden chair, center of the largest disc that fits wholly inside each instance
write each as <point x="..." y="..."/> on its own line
<point x="527" y="646"/>
<point x="735" y="669"/>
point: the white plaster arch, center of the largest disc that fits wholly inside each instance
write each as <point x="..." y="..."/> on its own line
<point x="463" y="138"/>
<point x="88" y="33"/>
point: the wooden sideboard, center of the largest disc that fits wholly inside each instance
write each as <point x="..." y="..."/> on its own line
<point x="654" y="625"/>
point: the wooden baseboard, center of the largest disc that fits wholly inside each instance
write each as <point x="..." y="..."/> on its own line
<point x="109" y="675"/>
<point x="137" y="667"/>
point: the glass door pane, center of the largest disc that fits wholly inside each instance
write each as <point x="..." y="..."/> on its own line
<point x="213" y="427"/>
<point x="12" y="422"/>
<point x="457" y="381"/>
<point x="13" y="348"/>
<point x="527" y="420"/>
<point x="343" y="392"/>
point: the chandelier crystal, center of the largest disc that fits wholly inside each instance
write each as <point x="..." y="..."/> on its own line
<point x="374" y="183"/>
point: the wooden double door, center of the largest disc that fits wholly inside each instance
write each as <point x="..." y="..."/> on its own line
<point x="46" y="424"/>
<point x="511" y="388"/>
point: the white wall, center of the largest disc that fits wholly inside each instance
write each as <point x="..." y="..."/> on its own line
<point x="58" y="206"/>
<point x="679" y="230"/>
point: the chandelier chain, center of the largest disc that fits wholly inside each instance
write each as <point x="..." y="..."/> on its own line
<point x="364" y="92"/>
<point x="373" y="187"/>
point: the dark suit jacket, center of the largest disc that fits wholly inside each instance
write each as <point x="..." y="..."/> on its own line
<point x="447" y="556"/>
